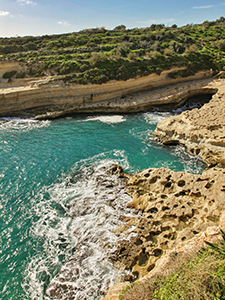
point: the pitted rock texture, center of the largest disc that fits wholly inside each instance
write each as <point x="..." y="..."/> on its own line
<point x="201" y="131"/>
<point x="172" y="259"/>
<point x="175" y="206"/>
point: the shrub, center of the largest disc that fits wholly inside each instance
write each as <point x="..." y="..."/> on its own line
<point x="95" y="59"/>
<point x="10" y="74"/>
<point x="168" y="51"/>
<point x="120" y="28"/>
<point x="132" y="55"/>
<point x="193" y="48"/>
<point x="30" y="46"/>
<point x="21" y="75"/>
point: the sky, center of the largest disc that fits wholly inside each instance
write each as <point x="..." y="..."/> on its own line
<point x="41" y="17"/>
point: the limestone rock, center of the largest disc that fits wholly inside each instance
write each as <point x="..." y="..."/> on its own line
<point x="180" y="211"/>
<point x="115" y="291"/>
<point x="174" y="257"/>
<point x="47" y="100"/>
<point x="175" y="206"/>
<point x="201" y="131"/>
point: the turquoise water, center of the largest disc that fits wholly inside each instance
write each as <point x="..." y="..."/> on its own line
<point x="47" y="165"/>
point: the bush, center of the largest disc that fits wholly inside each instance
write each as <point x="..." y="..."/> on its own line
<point x="132" y="55"/>
<point x="95" y="58"/>
<point x="168" y="51"/>
<point x="8" y="75"/>
<point x="193" y="48"/>
<point x="21" y="75"/>
<point x="30" y="46"/>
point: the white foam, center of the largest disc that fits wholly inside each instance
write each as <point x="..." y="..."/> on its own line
<point x="82" y="233"/>
<point x="193" y="164"/>
<point x="107" y="119"/>
<point x="155" y="117"/>
<point x="21" y="125"/>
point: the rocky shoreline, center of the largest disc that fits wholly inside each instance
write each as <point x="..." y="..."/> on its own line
<point x="180" y="211"/>
<point x="201" y="131"/>
<point x="177" y="211"/>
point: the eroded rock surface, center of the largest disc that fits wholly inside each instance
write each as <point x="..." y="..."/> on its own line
<point x="172" y="259"/>
<point x="43" y="99"/>
<point x="180" y="211"/>
<point x="201" y="131"/>
<point x="175" y="207"/>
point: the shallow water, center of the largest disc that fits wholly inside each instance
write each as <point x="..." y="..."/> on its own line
<point x="47" y="166"/>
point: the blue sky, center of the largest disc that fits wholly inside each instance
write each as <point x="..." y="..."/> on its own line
<point x="40" y="17"/>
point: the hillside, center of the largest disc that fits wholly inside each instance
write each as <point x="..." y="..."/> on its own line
<point x="99" y="55"/>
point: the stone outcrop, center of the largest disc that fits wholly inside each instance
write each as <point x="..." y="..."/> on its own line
<point x="179" y="212"/>
<point x="172" y="259"/>
<point x="201" y="131"/>
<point x="51" y="100"/>
<point x="175" y="207"/>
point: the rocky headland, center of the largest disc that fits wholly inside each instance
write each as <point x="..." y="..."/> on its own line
<point x="201" y="131"/>
<point x="180" y="211"/>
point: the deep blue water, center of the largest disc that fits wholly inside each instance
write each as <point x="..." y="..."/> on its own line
<point x="39" y="160"/>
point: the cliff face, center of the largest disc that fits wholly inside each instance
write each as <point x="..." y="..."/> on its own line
<point x="41" y="97"/>
<point x="8" y="66"/>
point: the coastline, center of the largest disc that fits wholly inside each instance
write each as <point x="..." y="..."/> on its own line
<point x="154" y="192"/>
<point x="41" y="99"/>
<point x="177" y="234"/>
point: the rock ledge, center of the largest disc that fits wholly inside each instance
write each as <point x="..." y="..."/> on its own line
<point x="201" y="131"/>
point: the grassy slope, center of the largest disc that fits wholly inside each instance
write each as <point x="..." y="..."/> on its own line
<point x="202" y="278"/>
<point x="99" y="55"/>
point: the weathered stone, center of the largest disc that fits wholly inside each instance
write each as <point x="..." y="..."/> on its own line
<point x="201" y="131"/>
<point x="45" y="100"/>
<point x="115" y="290"/>
<point x="175" y="207"/>
<point x="180" y="211"/>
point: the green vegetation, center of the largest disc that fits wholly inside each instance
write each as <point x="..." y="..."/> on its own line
<point x="98" y="55"/>
<point x="202" y="278"/>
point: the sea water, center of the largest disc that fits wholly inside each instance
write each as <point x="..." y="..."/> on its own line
<point x="48" y="166"/>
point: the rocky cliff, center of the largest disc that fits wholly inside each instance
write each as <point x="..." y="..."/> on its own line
<point x="180" y="211"/>
<point x="51" y="100"/>
<point x="201" y="131"/>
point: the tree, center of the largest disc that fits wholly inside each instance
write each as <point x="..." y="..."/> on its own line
<point x="120" y="28"/>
